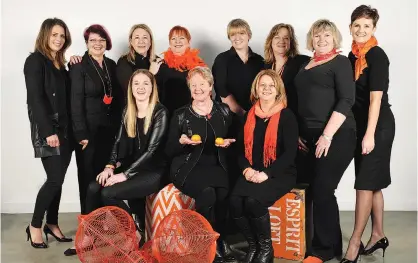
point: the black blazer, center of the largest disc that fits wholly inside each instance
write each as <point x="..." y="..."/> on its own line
<point x="47" y="101"/>
<point x="153" y="156"/>
<point x="87" y="107"/>
<point x="186" y="121"/>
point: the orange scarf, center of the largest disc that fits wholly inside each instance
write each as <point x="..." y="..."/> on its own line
<point x="360" y="52"/>
<point x="270" y="138"/>
<point x="185" y="62"/>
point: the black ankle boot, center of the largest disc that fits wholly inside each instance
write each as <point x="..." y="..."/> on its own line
<point x="244" y="226"/>
<point x="218" y="256"/>
<point x="263" y="232"/>
<point x="226" y="251"/>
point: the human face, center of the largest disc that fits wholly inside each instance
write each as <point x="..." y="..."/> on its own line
<point x="266" y="89"/>
<point x="281" y="42"/>
<point x="200" y="88"/>
<point x="56" y="38"/>
<point x="323" y="41"/>
<point x="96" y="45"/>
<point x="141" y="41"/>
<point x="141" y="87"/>
<point x="179" y="44"/>
<point x="362" y="30"/>
<point x="239" y="40"/>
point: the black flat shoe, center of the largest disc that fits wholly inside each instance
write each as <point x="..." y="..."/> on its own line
<point x="48" y="231"/>
<point x="70" y="252"/>
<point x="35" y="245"/>
<point x="382" y="243"/>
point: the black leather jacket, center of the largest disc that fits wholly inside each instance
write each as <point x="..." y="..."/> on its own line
<point x="184" y="121"/>
<point x="153" y="156"/>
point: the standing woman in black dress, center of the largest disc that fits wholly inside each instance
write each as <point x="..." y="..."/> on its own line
<point x="375" y="130"/>
<point x="95" y="107"/>
<point x="198" y="167"/>
<point x="47" y="86"/>
<point x="326" y="93"/>
<point x="281" y="54"/>
<point x="267" y="150"/>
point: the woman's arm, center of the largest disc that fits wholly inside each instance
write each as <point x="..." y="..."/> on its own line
<point x="78" y="113"/>
<point x="158" y="132"/>
<point x="123" y="74"/>
<point x="115" y="150"/>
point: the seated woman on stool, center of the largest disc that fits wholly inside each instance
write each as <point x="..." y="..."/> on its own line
<point x="137" y="148"/>
<point x="268" y="148"/>
<point x="198" y="166"/>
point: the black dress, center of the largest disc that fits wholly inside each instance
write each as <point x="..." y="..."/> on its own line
<point x="291" y="68"/>
<point x="281" y="173"/>
<point x="373" y="169"/>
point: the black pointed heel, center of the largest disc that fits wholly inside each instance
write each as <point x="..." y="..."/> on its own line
<point x="381" y="244"/>
<point x="35" y="245"/>
<point x="360" y="251"/>
<point x="48" y="231"/>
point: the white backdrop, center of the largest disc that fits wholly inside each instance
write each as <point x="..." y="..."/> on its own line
<point x="22" y="174"/>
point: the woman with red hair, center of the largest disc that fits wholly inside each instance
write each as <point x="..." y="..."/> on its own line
<point x="171" y="72"/>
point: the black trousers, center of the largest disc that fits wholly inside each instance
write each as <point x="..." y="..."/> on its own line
<point x="92" y="160"/>
<point x="49" y="196"/>
<point x="139" y="186"/>
<point x="324" y="175"/>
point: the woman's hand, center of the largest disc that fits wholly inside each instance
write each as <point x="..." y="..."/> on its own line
<point x="75" y="59"/>
<point x="226" y="143"/>
<point x="367" y="145"/>
<point x="115" y="179"/>
<point x="322" y="146"/>
<point x="103" y="176"/>
<point x="84" y="143"/>
<point x="249" y="174"/>
<point x="155" y="65"/>
<point x="259" y="177"/>
<point x="302" y="145"/>
<point x="184" y="140"/>
<point x="53" y="141"/>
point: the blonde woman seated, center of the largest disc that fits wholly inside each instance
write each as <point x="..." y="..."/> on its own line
<point x="267" y="148"/>
<point x="138" y="147"/>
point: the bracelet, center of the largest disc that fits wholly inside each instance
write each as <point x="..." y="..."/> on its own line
<point x="246" y="170"/>
<point x="110" y="166"/>
<point x="329" y="139"/>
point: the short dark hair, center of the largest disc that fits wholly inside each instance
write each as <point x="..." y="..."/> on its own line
<point x="101" y="31"/>
<point x="365" y="11"/>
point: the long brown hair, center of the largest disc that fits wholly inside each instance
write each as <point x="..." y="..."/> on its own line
<point x="131" y="109"/>
<point x="268" y="50"/>
<point x="42" y="41"/>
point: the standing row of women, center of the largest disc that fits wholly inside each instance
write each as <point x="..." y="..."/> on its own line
<point x="329" y="106"/>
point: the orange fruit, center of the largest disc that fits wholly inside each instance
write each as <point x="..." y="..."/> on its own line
<point x="196" y="138"/>
<point x="219" y="141"/>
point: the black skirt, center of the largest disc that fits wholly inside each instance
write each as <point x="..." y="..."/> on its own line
<point x="373" y="169"/>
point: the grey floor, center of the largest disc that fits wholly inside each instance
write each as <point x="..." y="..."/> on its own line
<point x="400" y="227"/>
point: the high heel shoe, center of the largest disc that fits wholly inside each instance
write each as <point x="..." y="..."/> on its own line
<point x="70" y="252"/>
<point x="382" y="243"/>
<point x="35" y="245"/>
<point x="360" y="251"/>
<point x="48" y="231"/>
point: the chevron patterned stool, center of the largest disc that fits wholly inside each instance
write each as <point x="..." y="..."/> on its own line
<point x="161" y="204"/>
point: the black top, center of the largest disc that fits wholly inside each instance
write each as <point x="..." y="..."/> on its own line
<point x="323" y="89"/>
<point x="374" y="78"/>
<point x="186" y="121"/>
<point x="291" y="69"/>
<point x="233" y="76"/>
<point x="48" y="94"/>
<point x="145" y="151"/>
<point x="87" y="91"/>
<point x="124" y="69"/>
<point x="173" y="90"/>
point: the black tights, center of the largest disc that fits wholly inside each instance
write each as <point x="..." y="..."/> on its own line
<point x="246" y="206"/>
<point x="211" y="204"/>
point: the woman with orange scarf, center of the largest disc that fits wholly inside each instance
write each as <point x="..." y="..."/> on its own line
<point x="171" y="72"/>
<point x="267" y="146"/>
<point x="375" y="131"/>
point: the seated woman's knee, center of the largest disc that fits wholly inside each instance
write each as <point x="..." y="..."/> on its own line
<point x="94" y="187"/>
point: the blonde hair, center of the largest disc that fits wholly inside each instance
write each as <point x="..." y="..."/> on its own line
<point x="268" y="50"/>
<point x="205" y="72"/>
<point x="42" y="41"/>
<point x="151" y="51"/>
<point x="237" y="26"/>
<point x="320" y="26"/>
<point x="131" y="109"/>
<point x="278" y="84"/>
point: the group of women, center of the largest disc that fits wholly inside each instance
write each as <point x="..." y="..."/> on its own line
<point x="274" y="121"/>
